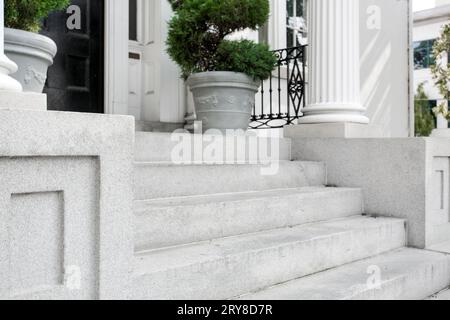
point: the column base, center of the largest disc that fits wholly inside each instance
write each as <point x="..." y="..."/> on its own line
<point x="334" y="118"/>
<point x="334" y="112"/>
<point x="23" y="101"/>
<point x="333" y="130"/>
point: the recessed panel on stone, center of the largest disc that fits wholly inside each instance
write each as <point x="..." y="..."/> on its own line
<point x="49" y="228"/>
<point x="439" y="216"/>
<point x="36" y="240"/>
<point x="441" y="189"/>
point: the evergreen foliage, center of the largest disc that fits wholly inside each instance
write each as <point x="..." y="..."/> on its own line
<point x="424" y="120"/>
<point x="28" y="14"/>
<point x="197" y="37"/>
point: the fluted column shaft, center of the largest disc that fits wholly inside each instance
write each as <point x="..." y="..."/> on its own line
<point x="334" y="64"/>
<point x="7" y="66"/>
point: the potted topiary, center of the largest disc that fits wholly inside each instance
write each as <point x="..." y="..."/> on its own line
<point x="32" y="52"/>
<point x="223" y="75"/>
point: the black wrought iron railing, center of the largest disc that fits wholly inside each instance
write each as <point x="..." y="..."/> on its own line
<point x="282" y="97"/>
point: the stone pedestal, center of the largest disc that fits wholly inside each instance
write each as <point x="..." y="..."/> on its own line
<point x="23" y="101"/>
<point x="333" y="130"/>
<point x="66" y="202"/>
<point x="403" y="178"/>
<point x="441" y="133"/>
<point x="442" y="130"/>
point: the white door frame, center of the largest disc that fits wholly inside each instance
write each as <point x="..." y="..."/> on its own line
<point x="116" y="56"/>
<point x="171" y="104"/>
<point x="277" y="24"/>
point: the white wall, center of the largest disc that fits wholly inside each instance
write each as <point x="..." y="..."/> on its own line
<point x="419" y="5"/>
<point x="442" y="2"/>
<point x="385" y="68"/>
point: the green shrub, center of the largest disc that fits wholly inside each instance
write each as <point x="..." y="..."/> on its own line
<point x="197" y="33"/>
<point x="247" y="57"/>
<point x="28" y="14"/>
<point x="176" y="4"/>
<point x="424" y="120"/>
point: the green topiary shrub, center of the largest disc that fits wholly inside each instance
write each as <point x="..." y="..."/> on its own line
<point x="28" y="14"/>
<point x="176" y="4"/>
<point x="424" y="120"/>
<point x="197" y="33"/>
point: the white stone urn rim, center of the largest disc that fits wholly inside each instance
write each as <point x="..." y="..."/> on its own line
<point x="29" y="43"/>
<point x="222" y="78"/>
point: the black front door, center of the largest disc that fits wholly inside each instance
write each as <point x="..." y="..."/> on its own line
<point x="75" y="81"/>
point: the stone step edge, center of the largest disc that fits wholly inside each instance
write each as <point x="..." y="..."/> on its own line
<point x="370" y="260"/>
<point x="141" y="206"/>
<point x="147" y="253"/>
<point x="221" y="163"/>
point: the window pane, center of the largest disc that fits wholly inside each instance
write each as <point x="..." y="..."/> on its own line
<point x="300" y="11"/>
<point x="290" y="38"/>
<point x="133" y="20"/>
<point x="290" y="8"/>
<point x="423" y="54"/>
<point x="431" y="59"/>
<point x="419" y="59"/>
<point x="295" y="22"/>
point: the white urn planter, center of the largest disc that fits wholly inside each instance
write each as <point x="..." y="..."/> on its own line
<point x="223" y="100"/>
<point x="33" y="53"/>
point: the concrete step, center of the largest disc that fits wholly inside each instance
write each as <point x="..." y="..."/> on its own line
<point x="443" y="295"/>
<point x="406" y="274"/>
<point x="229" y="267"/>
<point x="151" y="127"/>
<point x="173" y="221"/>
<point x="164" y="180"/>
<point x="161" y="147"/>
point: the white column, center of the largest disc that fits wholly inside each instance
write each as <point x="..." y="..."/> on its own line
<point x="334" y="64"/>
<point x="7" y="66"/>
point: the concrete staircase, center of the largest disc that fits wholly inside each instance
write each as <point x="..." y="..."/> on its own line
<point x="228" y="232"/>
<point x="444" y="295"/>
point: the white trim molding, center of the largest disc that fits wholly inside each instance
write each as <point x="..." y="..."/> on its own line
<point x="116" y="56"/>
